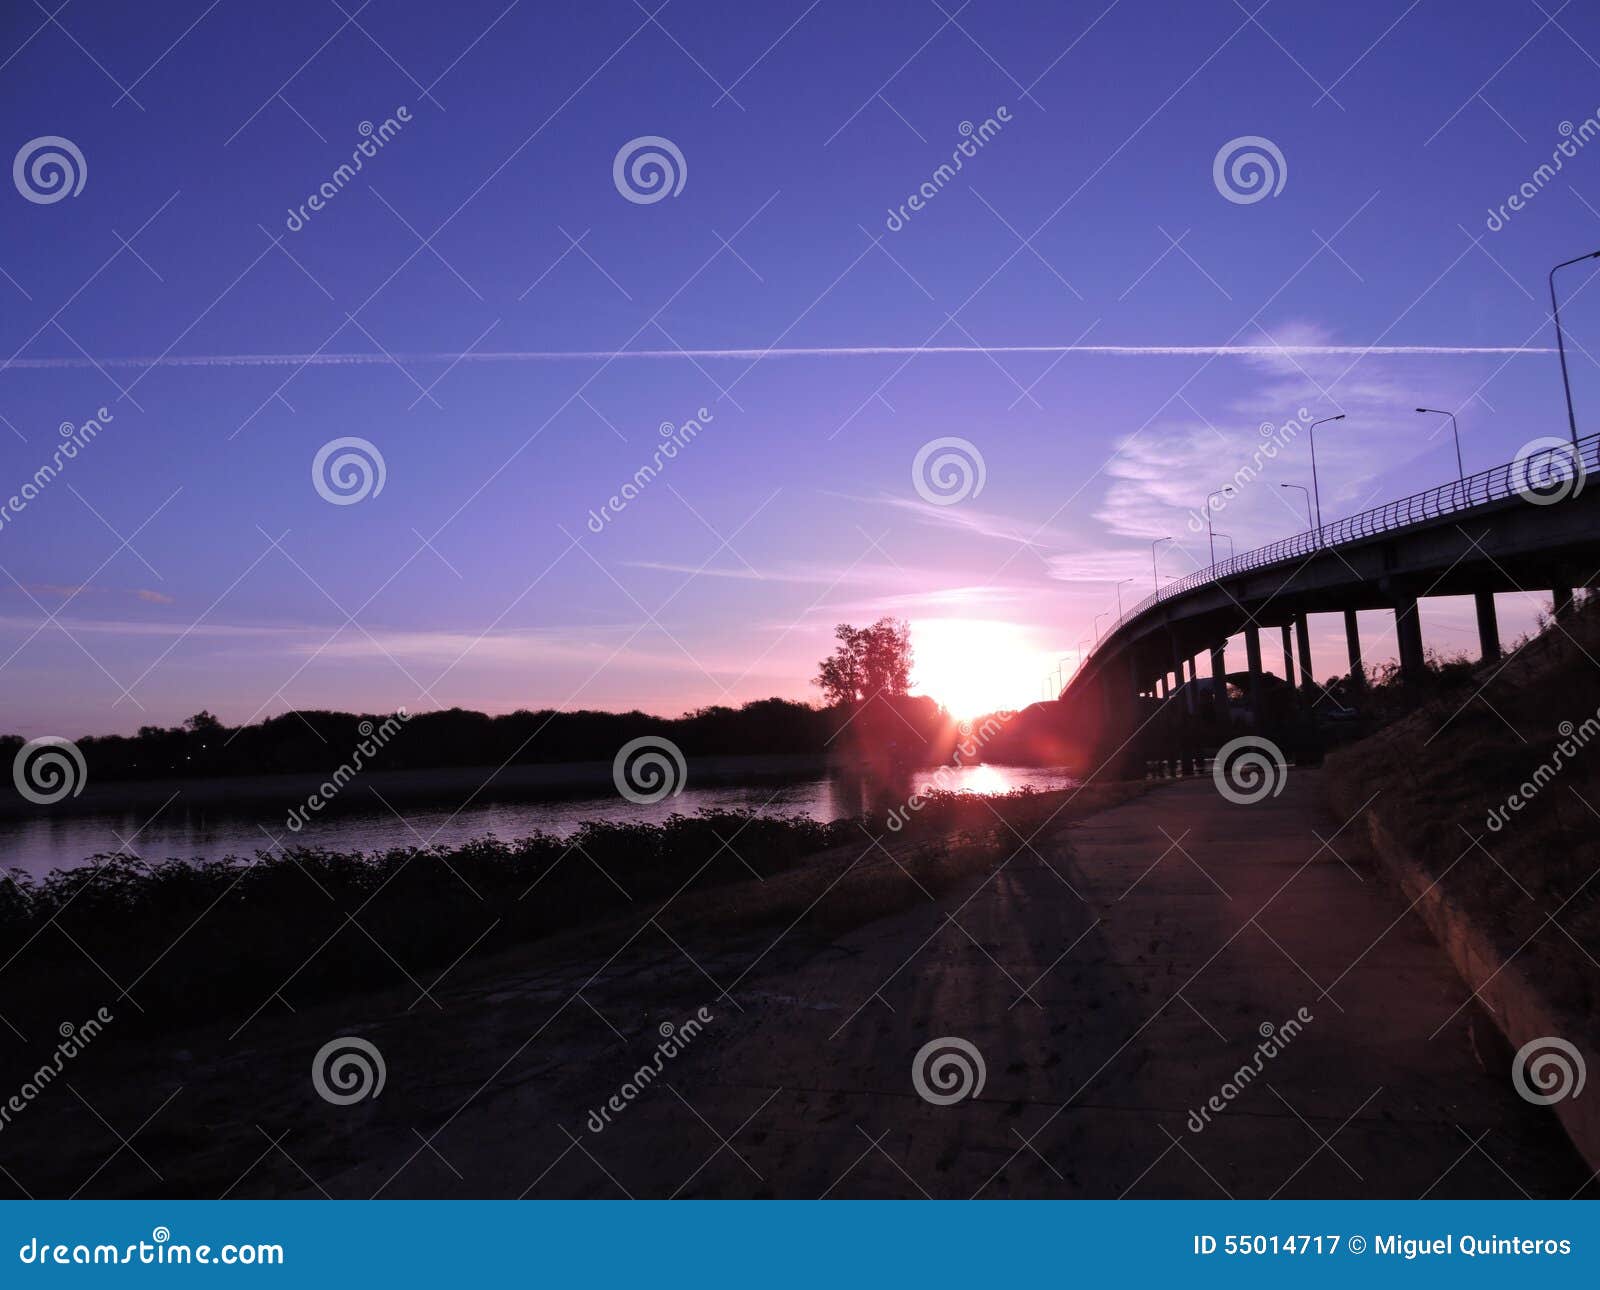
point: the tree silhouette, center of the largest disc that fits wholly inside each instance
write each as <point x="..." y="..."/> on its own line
<point x="867" y="662"/>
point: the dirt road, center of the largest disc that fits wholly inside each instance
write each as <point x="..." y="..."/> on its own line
<point x="1113" y="978"/>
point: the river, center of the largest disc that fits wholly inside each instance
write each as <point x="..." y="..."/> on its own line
<point x="185" y="828"/>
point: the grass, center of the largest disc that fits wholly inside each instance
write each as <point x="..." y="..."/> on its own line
<point x="206" y="941"/>
<point x="1440" y="771"/>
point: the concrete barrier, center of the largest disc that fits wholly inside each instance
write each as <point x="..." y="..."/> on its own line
<point x="1515" y="1003"/>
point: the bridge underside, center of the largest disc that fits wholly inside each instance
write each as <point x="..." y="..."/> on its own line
<point x="1508" y="545"/>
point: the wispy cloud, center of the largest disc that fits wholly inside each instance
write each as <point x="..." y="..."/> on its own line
<point x="1158" y="479"/>
<point x="910" y="604"/>
<point x="527" y="646"/>
<point x="75" y="590"/>
<point x="969" y="519"/>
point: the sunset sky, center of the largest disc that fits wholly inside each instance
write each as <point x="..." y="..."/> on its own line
<point x="1081" y="303"/>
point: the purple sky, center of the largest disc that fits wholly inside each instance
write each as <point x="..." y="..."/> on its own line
<point x="1080" y="302"/>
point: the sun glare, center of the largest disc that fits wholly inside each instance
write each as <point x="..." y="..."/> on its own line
<point x="974" y="666"/>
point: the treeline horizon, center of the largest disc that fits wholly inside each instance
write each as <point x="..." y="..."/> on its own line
<point x="320" y="740"/>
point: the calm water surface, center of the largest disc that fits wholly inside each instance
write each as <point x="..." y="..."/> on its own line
<point x="40" y="844"/>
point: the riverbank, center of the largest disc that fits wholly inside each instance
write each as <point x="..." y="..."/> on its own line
<point x="280" y="793"/>
<point x="186" y="940"/>
<point x="1113" y="974"/>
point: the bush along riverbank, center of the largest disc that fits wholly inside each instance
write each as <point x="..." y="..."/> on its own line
<point x="207" y="941"/>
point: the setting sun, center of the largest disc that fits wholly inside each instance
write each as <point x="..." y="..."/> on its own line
<point x="976" y="666"/>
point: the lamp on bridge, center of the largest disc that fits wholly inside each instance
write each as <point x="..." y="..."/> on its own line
<point x="1316" y="489"/>
<point x="1561" y="345"/>
<point x="1461" y="472"/>
<point x="1307" y="493"/>
<point x="1225" y="491"/>
<point x="1155" y="576"/>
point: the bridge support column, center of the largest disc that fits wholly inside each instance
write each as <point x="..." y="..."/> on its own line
<point x="1288" y="658"/>
<point x="1488" y="627"/>
<point x="1408" y="629"/>
<point x="1561" y="603"/>
<point x="1252" y="653"/>
<point x="1189" y="688"/>
<point x="1301" y="631"/>
<point x="1352" y="642"/>
<point x="1219" y="682"/>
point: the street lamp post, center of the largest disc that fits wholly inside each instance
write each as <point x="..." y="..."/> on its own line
<point x="1225" y="491"/>
<point x="1561" y="345"/>
<point x="1097" y="619"/>
<point x="1461" y="471"/>
<point x="1229" y="537"/>
<point x="1307" y="493"/>
<point x="1155" y="576"/>
<point x="1455" y="429"/>
<point x="1316" y="488"/>
<point x="1120" y="585"/>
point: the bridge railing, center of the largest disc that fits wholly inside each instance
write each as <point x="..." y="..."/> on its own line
<point x="1545" y="473"/>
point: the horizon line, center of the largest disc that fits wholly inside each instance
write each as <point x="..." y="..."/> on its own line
<point x="832" y="351"/>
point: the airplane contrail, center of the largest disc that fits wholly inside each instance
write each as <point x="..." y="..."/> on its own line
<point x="828" y="351"/>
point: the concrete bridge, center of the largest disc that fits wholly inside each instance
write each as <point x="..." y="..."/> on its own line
<point x="1532" y="524"/>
